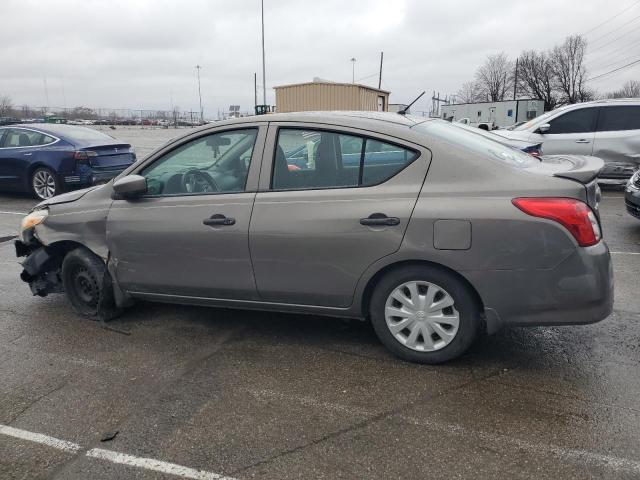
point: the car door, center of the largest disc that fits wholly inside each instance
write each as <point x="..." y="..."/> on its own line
<point x="188" y="235"/>
<point x="571" y="133"/>
<point x="331" y="202"/>
<point x="15" y="153"/>
<point x="617" y="138"/>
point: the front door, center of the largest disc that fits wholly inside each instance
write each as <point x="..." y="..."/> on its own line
<point x="188" y="236"/>
<point x="570" y="133"/>
<point x="331" y="203"/>
<point x="15" y="153"/>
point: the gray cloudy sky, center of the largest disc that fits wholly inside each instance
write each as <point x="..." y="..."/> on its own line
<point x="142" y="53"/>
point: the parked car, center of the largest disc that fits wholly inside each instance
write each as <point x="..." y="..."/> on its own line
<point x="457" y="235"/>
<point x="632" y="195"/>
<point x="608" y="129"/>
<point x="46" y="160"/>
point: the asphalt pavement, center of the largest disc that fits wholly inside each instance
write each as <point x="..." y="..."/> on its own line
<point x="186" y="392"/>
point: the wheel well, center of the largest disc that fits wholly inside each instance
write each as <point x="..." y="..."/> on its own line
<point x="373" y="281"/>
<point x="483" y="126"/>
<point x="63" y="247"/>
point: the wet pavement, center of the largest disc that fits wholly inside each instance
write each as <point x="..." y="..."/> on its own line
<point x="195" y="391"/>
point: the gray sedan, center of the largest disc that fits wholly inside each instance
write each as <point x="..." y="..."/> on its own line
<point x="433" y="232"/>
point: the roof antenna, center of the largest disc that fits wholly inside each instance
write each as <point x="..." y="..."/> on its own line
<point x="404" y="110"/>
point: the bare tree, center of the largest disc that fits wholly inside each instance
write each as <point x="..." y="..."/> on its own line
<point x="630" y="89"/>
<point x="5" y="105"/>
<point x="570" y="74"/>
<point x="536" y="77"/>
<point x="495" y="77"/>
<point x="468" y="93"/>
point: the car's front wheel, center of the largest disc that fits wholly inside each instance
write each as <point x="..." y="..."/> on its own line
<point x="88" y="285"/>
<point x="424" y="314"/>
<point x="44" y="183"/>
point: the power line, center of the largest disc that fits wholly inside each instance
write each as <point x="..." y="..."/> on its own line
<point x="615" y="16"/>
<point x="609" y="43"/>
<point x="614" y="70"/>
<point x="615" y="29"/>
<point x="603" y="67"/>
<point x="605" y="56"/>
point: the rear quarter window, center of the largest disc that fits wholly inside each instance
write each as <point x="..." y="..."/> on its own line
<point x="479" y="143"/>
<point x="619" y="118"/>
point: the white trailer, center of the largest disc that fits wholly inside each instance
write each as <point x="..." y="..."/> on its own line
<point x="492" y="115"/>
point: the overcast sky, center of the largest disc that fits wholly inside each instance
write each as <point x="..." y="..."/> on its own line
<point x="142" y="53"/>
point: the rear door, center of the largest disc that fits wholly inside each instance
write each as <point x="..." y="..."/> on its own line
<point x="617" y="138"/>
<point x="572" y="132"/>
<point x="331" y="202"/>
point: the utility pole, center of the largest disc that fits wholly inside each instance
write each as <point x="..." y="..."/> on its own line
<point x="264" y="81"/>
<point x="380" y="75"/>
<point x="353" y="70"/>
<point x="198" y="67"/>
<point x="255" y="90"/>
<point x="515" y="82"/>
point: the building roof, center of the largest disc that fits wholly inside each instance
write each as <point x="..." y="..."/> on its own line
<point x="338" y="84"/>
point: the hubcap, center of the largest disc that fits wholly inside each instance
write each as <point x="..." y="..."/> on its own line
<point x="422" y="316"/>
<point x="85" y="287"/>
<point x="44" y="184"/>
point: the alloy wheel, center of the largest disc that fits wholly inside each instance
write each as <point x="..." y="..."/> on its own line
<point x="422" y="316"/>
<point x="44" y="184"/>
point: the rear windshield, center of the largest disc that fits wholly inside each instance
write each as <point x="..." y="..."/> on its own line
<point x="479" y="142"/>
<point x="81" y="133"/>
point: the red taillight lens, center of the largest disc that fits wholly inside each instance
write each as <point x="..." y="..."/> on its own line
<point x="83" y="155"/>
<point x="574" y="215"/>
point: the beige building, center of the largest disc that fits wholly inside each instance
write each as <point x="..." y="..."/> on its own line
<point x="323" y="95"/>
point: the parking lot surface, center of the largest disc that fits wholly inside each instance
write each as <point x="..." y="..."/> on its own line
<point x="203" y="393"/>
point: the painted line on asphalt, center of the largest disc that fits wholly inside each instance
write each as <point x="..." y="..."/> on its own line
<point x="40" y="438"/>
<point x="114" y="457"/>
<point x="617" y="464"/>
<point x="625" y="253"/>
<point x="13" y="213"/>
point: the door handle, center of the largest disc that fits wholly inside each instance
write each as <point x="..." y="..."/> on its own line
<point x="219" y="219"/>
<point x="583" y="140"/>
<point x="379" y="219"/>
<point x="28" y="153"/>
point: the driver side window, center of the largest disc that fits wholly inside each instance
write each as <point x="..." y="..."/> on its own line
<point x="215" y="163"/>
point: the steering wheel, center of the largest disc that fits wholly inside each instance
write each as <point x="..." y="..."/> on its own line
<point x="197" y="181"/>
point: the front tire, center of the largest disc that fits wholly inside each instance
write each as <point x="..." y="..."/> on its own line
<point x="424" y="314"/>
<point x="88" y="285"/>
<point x="44" y="183"/>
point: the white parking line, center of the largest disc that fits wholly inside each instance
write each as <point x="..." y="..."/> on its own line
<point x="113" y="457"/>
<point x="625" y="253"/>
<point x="40" y="438"/>
<point x="13" y="213"/>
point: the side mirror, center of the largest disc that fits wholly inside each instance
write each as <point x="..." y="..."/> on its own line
<point x="130" y="186"/>
<point x="545" y="127"/>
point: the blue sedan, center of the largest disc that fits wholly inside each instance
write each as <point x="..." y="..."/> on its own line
<point x="48" y="159"/>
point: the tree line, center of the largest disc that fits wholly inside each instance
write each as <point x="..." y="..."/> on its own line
<point x="557" y="76"/>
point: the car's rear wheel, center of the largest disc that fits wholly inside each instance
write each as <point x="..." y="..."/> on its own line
<point x="424" y="315"/>
<point x="88" y="285"/>
<point x="44" y="183"/>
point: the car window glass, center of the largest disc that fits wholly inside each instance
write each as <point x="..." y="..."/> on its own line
<point x="314" y="159"/>
<point x="309" y="159"/>
<point x="575" y="121"/>
<point x="26" y="138"/>
<point x="383" y="160"/>
<point x="216" y="163"/>
<point x="619" y="118"/>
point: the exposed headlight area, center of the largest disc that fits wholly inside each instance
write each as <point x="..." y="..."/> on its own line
<point x="29" y="222"/>
<point x="634" y="182"/>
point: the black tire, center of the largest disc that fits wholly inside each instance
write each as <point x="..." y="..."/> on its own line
<point x="464" y="302"/>
<point x="88" y="285"/>
<point x="36" y="178"/>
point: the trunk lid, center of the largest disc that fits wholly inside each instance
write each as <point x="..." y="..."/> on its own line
<point x="117" y="155"/>
<point x="579" y="168"/>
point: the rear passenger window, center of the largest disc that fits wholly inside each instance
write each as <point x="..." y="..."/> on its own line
<point x="575" y="121"/>
<point x="313" y="159"/>
<point x="619" y="118"/>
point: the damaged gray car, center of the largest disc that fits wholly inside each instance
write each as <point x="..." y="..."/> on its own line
<point x="432" y="232"/>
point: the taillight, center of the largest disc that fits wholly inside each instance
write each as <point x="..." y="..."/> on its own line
<point x="574" y="215"/>
<point x="82" y="156"/>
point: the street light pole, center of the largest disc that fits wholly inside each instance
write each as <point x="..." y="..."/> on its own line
<point x="264" y="82"/>
<point x="198" y="67"/>
<point x="353" y="70"/>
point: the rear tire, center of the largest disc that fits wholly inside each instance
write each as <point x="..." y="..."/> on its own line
<point x="424" y="314"/>
<point x="88" y="285"/>
<point x="44" y="183"/>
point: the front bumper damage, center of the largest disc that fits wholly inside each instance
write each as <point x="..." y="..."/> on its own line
<point x="42" y="267"/>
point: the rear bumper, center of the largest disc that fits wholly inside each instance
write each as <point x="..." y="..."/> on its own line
<point x="577" y="291"/>
<point x="88" y="177"/>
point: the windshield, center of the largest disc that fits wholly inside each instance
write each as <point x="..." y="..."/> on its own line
<point x="540" y="119"/>
<point x="477" y="141"/>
